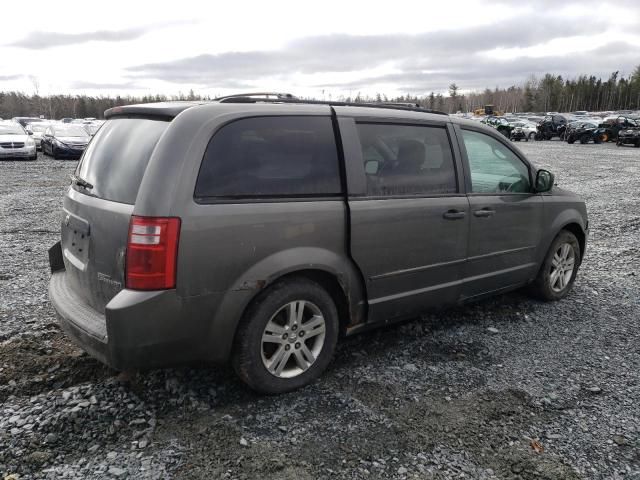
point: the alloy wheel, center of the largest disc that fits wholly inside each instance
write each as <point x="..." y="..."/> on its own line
<point x="293" y="339"/>
<point x="562" y="266"/>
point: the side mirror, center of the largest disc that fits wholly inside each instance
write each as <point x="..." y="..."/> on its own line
<point x="371" y="167"/>
<point x="29" y="132"/>
<point x="544" y="181"/>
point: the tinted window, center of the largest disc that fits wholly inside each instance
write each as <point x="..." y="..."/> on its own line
<point x="493" y="166"/>
<point x="115" y="160"/>
<point x="407" y="160"/>
<point x="271" y="157"/>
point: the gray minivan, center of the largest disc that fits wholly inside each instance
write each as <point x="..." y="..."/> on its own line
<point x="259" y="231"/>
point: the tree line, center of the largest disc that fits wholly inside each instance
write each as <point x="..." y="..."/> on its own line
<point x="549" y="93"/>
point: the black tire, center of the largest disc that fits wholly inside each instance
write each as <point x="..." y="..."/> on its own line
<point x="571" y="140"/>
<point x="54" y="154"/>
<point x="532" y="136"/>
<point x="247" y="356"/>
<point x="584" y="139"/>
<point x="34" y="158"/>
<point x="637" y="144"/>
<point x="541" y="286"/>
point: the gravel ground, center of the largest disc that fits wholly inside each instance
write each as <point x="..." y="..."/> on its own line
<point x="506" y="388"/>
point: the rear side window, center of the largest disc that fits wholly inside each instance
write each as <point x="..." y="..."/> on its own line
<point x="407" y="160"/>
<point x="115" y="160"/>
<point x="271" y="157"/>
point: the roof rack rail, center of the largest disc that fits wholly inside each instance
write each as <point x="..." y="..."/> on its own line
<point x="399" y="104"/>
<point x="250" y="97"/>
<point x="240" y="98"/>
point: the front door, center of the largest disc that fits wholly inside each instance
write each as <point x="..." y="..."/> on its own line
<point x="505" y="218"/>
<point x="409" y="226"/>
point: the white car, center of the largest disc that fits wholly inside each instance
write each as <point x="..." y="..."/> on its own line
<point x="528" y="128"/>
<point x="15" y="142"/>
<point x="36" y="130"/>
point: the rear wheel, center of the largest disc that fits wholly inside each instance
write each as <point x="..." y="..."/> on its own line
<point x="584" y="139"/>
<point x="637" y="144"/>
<point x="54" y="154"/>
<point x="558" y="271"/>
<point x="287" y="337"/>
<point x="571" y="139"/>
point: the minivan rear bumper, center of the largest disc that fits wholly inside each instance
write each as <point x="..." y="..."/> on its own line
<point x="139" y="330"/>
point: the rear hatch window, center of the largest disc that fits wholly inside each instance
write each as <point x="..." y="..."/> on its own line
<point x="115" y="160"/>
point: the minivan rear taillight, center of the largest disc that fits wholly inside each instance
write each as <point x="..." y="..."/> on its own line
<point x="152" y="251"/>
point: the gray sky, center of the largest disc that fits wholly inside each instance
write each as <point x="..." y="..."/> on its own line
<point x="335" y="47"/>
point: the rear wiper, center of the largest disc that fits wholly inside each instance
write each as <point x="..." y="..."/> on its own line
<point x="81" y="182"/>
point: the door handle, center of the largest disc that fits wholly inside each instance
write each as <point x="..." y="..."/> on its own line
<point x="485" y="212"/>
<point x="453" y="215"/>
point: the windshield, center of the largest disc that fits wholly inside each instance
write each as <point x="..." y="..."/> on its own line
<point x="38" y="128"/>
<point x="11" y="130"/>
<point x="70" y="131"/>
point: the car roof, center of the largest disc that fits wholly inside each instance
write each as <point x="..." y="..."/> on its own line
<point x="172" y="109"/>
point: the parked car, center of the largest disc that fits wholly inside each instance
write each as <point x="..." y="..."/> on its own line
<point x="610" y="127"/>
<point x="64" y="141"/>
<point x="528" y="129"/>
<point x="66" y="120"/>
<point x="36" y="130"/>
<point x="15" y="142"/>
<point x="259" y="231"/>
<point x="585" y="132"/>
<point x="500" y="124"/>
<point x="91" y="128"/>
<point x="24" y="121"/>
<point x="630" y="136"/>
<point x="551" y="126"/>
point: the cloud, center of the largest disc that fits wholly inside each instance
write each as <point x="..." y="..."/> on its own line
<point x="6" y="78"/>
<point x="43" y="40"/>
<point x="84" y="85"/>
<point x="481" y="72"/>
<point x="421" y="61"/>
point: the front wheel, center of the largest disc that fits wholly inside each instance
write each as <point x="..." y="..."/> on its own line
<point x="287" y="337"/>
<point x="532" y="135"/>
<point x="559" y="268"/>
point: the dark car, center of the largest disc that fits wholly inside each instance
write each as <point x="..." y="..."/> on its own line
<point x="551" y="126"/>
<point x="581" y="131"/>
<point x="64" y="141"/>
<point x="629" y="136"/>
<point x="501" y="124"/>
<point x="259" y="231"/>
<point x="609" y="129"/>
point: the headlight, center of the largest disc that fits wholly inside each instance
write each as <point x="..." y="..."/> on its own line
<point x="29" y="142"/>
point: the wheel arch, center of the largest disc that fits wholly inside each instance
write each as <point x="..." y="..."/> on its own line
<point x="579" y="233"/>
<point x="336" y="273"/>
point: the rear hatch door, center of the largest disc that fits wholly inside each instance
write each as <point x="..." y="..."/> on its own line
<point x="98" y="208"/>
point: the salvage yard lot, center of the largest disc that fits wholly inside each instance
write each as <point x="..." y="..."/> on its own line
<point x="465" y="393"/>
